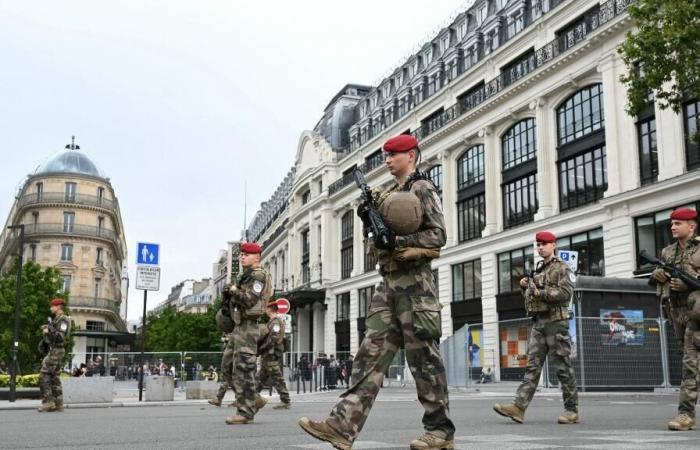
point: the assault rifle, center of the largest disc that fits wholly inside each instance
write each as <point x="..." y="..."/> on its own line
<point x="45" y="344"/>
<point x="692" y="282"/>
<point x="384" y="238"/>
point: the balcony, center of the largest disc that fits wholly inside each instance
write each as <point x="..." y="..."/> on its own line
<point x="607" y="12"/>
<point x="107" y="304"/>
<point x="60" y="198"/>
<point x="348" y="178"/>
<point x="73" y="230"/>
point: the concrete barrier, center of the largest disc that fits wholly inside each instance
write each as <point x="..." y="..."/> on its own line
<point x="88" y="390"/>
<point x="160" y="388"/>
<point x="201" y="390"/>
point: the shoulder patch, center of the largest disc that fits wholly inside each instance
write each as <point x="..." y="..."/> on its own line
<point x="257" y="287"/>
<point x="572" y="277"/>
<point x="63" y="326"/>
<point x="276" y="328"/>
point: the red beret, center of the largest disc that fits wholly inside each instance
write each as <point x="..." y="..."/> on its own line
<point x="684" y="214"/>
<point x="57" y="302"/>
<point x="251" y="247"/>
<point x="401" y="143"/>
<point x="546" y="237"/>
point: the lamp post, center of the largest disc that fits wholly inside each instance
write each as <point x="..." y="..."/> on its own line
<point x="18" y="306"/>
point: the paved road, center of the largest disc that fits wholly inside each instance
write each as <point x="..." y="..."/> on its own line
<point x="609" y="422"/>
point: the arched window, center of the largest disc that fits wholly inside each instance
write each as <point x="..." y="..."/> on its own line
<point x="581" y="114"/>
<point x="470" y="167"/>
<point x="519" y="144"/>
<point x="471" y="201"/>
<point x="583" y="176"/>
<point x="435" y="175"/>
<point x="691" y="122"/>
<point x="519" y="148"/>
<point x="346" y="241"/>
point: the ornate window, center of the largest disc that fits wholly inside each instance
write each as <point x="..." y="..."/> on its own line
<point x="519" y="144"/>
<point x="435" y="175"/>
<point x="346" y="244"/>
<point x="581" y="148"/>
<point x="691" y="113"/>
<point x="466" y="281"/>
<point x="470" y="167"/>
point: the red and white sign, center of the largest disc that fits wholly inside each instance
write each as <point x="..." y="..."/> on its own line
<point x="283" y="306"/>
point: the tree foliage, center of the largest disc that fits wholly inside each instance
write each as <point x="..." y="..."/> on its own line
<point x="662" y="53"/>
<point x="39" y="287"/>
<point x="180" y="331"/>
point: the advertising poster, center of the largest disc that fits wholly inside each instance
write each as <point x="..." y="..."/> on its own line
<point x="622" y="326"/>
<point x="476" y="343"/>
<point x="573" y="333"/>
<point x="514" y="345"/>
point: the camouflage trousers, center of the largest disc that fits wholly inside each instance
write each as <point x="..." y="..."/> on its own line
<point x="691" y="370"/>
<point x="49" y="380"/>
<point x="226" y="382"/>
<point x="678" y="315"/>
<point x="271" y="371"/>
<point x="404" y="310"/>
<point x="549" y="338"/>
<point x="245" y="349"/>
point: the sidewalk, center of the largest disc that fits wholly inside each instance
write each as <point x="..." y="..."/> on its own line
<point x="504" y="389"/>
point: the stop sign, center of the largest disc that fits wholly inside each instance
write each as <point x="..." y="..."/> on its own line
<point x="283" y="305"/>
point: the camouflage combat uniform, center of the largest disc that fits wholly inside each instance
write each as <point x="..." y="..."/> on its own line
<point x="50" y="381"/>
<point x="253" y="291"/>
<point x="405" y="310"/>
<point x="677" y="306"/>
<point x="226" y="370"/>
<point x="271" y="352"/>
<point x="549" y="335"/>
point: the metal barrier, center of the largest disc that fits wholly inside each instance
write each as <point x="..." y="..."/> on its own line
<point x="611" y="351"/>
<point x="125" y="366"/>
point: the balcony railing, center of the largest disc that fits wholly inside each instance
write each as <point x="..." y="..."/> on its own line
<point x="72" y="230"/>
<point x="607" y="12"/>
<point x="61" y="197"/>
<point x="94" y="302"/>
<point x="366" y="167"/>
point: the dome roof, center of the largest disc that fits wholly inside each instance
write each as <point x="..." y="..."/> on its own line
<point x="71" y="161"/>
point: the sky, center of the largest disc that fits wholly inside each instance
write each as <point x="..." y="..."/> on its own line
<point x="181" y="103"/>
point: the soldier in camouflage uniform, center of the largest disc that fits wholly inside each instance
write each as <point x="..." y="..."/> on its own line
<point x="547" y="299"/>
<point x="405" y="310"/>
<point x="55" y="337"/>
<point x="226" y="373"/>
<point x="271" y="353"/>
<point x="681" y="306"/>
<point x="249" y="297"/>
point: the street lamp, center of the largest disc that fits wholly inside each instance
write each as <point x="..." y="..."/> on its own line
<point x="18" y="306"/>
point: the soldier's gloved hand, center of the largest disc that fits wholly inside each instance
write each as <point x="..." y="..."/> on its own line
<point x="660" y="275"/>
<point x="363" y="213"/>
<point x="391" y="241"/>
<point x="678" y="285"/>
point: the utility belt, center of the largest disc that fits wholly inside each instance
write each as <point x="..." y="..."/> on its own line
<point x="552" y="314"/>
<point x="396" y="266"/>
<point x="677" y="301"/>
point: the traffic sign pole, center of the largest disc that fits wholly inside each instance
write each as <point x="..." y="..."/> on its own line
<point x="143" y="343"/>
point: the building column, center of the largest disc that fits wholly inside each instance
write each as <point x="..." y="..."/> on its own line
<point x="319" y="328"/>
<point x="303" y="328"/>
<point x="444" y="288"/>
<point x="354" y="309"/>
<point x="489" y="289"/>
<point x="449" y="195"/>
<point x="670" y="142"/>
<point x="618" y="245"/>
<point x="620" y="130"/>
<point x="548" y="187"/>
<point x="358" y="260"/>
<point x="494" y="208"/>
<point x="330" y="257"/>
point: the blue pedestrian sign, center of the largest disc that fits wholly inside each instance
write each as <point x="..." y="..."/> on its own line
<point x="147" y="254"/>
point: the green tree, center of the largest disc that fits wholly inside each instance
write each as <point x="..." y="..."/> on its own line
<point x="39" y="287"/>
<point x="180" y="331"/>
<point x="662" y="53"/>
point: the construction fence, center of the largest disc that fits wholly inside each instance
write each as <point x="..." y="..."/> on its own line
<point x="608" y="352"/>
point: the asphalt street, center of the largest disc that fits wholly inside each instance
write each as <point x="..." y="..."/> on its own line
<point x="628" y="421"/>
